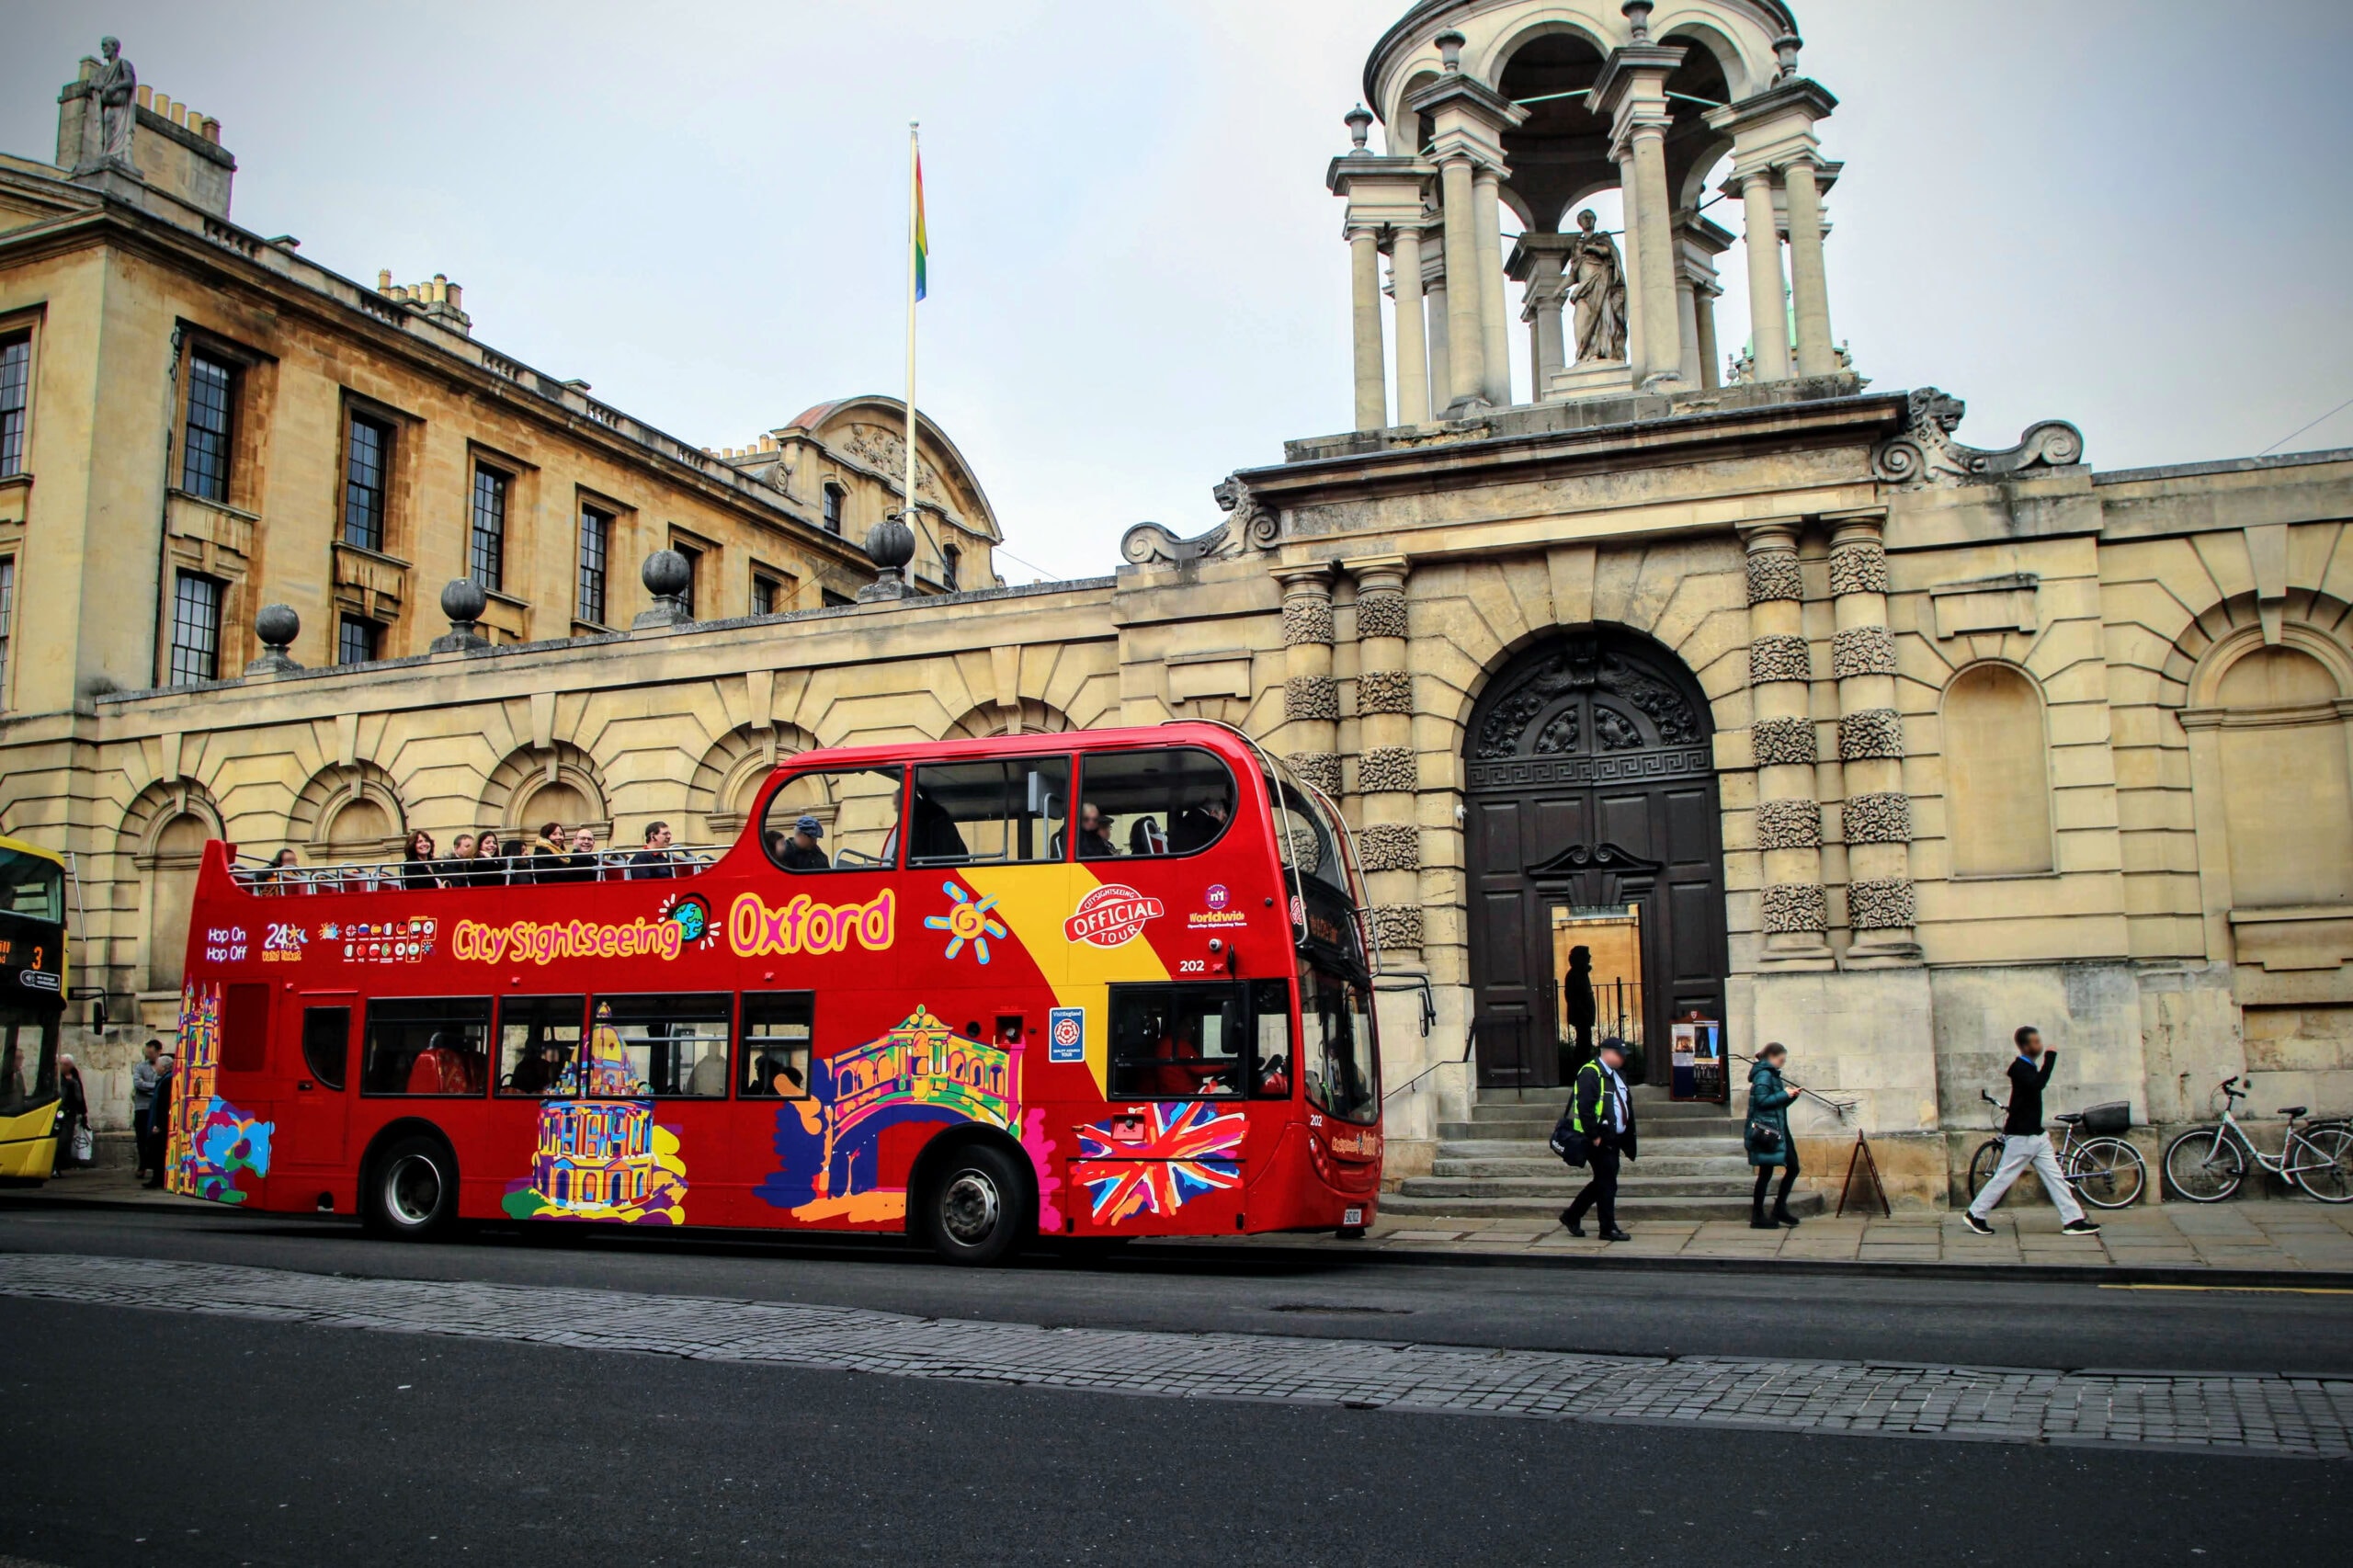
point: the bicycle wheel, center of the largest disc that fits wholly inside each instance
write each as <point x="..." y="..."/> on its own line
<point x="2204" y="1166"/>
<point x="2323" y="1163"/>
<point x="1982" y="1164"/>
<point x="2107" y="1173"/>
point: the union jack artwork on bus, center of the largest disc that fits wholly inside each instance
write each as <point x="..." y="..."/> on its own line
<point x="1158" y="1161"/>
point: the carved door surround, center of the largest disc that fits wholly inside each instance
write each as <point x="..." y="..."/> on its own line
<point x="1590" y="781"/>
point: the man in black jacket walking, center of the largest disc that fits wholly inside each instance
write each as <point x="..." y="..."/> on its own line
<point x="2024" y="1143"/>
<point x="1605" y="1114"/>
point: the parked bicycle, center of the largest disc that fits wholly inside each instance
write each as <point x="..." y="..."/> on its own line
<point x="2106" y="1172"/>
<point x="2205" y="1164"/>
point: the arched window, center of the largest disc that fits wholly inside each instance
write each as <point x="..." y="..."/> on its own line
<point x="951" y="561"/>
<point x="171" y="862"/>
<point x="834" y="495"/>
<point x="1998" y="774"/>
<point x="2286" y="801"/>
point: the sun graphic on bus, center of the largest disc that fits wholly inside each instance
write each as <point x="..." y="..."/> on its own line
<point x="966" y="921"/>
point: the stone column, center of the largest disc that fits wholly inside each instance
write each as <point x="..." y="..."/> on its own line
<point x="1465" y="336"/>
<point x="1789" y="817"/>
<point x="1494" y="329"/>
<point x="1768" y="330"/>
<point x="1434" y="311"/>
<point x="1387" y="776"/>
<point x="1876" y="819"/>
<point x="1809" y="287"/>
<point x="1651" y="215"/>
<point x="1632" y="239"/>
<point x="1703" y="311"/>
<point x="1412" y="367"/>
<point x="1686" y="316"/>
<point x="1364" y="291"/>
<point x="1310" y="698"/>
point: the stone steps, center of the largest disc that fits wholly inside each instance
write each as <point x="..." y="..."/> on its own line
<point x="1567" y="1183"/>
<point x="1632" y="1207"/>
<point x="1543" y="1163"/>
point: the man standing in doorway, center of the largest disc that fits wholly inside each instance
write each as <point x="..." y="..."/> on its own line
<point x="1605" y="1114"/>
<point x="2024" y="1143"/>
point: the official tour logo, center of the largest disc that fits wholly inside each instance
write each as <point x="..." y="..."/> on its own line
<point x="1112" y="915"/>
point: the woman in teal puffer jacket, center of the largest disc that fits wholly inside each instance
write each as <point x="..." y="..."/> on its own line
<point x="1768" y="1137"/>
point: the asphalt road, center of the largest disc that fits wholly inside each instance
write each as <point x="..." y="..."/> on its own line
<point x="161" y="1438"/>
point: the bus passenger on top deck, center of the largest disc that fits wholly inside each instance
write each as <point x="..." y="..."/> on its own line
<point x="1093" y="833"/>
<point x="279" y="876"/>
<point x="802" y="851"/>
<point x="419" y="869"/>
<point x="490" y="860"/>
<point x="654" y="860"/>
<point x="546" y="853"/>
<point x="459" y="870"/>
<point x="1195" y="826"/>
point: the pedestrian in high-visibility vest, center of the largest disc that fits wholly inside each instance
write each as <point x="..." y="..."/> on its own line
<point x="1604" y="1113"/>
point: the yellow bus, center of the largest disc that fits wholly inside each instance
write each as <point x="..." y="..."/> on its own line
<point x="32" y="1006"/>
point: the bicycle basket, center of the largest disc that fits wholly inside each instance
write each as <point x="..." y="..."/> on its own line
<point x="2107" y="1120"/>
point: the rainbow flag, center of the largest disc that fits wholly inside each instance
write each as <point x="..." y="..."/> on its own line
<point x="922" y="246"/>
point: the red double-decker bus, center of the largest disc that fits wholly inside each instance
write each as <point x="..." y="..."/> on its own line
<point x="1092" y="984"/>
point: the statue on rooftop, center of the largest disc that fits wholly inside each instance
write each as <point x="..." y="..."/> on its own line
<point x="1597" y="290"/>
<point x="116" y="87"/>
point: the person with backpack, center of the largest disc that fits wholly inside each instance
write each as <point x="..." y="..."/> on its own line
<point x="1768" y="1138"/>
<point x="1601" y="1115"/>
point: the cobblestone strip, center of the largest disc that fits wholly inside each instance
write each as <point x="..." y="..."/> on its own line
<point x="2284" y="1416"/>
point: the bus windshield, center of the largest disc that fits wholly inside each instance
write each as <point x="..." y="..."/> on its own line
<point x="31" y="886"/>
<point x="1343" y="1067"/>
<point x="28" y="1058"/>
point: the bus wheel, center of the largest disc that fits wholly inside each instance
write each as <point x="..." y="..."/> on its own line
<point x="412" y="1192"/>
<point x="976" y="1205"/>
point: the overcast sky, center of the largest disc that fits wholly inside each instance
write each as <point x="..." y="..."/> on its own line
<point x="2127" y="213"/>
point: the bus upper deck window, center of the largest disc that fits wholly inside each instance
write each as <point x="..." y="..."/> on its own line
<point x="839" y="820"/>
<point x="988" y="813"/>
<point x="1167" y="801"/>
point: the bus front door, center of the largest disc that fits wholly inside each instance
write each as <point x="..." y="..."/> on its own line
<point x="322" y="1096"/>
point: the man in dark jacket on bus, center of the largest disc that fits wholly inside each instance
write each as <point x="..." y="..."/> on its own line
<point x="1605" y="1114"/>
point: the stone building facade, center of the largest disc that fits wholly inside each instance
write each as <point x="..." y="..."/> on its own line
<point x="1865" y="739"/>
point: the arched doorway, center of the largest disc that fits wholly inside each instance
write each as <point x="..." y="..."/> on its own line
<point x="1591" y="824"/>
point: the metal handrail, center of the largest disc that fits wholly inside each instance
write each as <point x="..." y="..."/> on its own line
<point x="1841" y="1107"/>
<point x="258" y="876"/>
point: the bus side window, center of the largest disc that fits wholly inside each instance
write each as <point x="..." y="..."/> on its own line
<point x="772" y="1061"/>
<point x="538" y="1041"/>
<point x="436" y="1045"/>
<point x="1181" y="1041"/>
<point x="841" y="821"/>
<point x="988" y="813"/>
<point x="1270" y="1071"/>
<point x="676" y="1042"/>
<point x="1166" y="801"/>
<point x="326" y="1044"/>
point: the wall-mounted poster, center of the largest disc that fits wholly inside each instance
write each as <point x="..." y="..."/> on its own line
<point x="1698" y="1052"/>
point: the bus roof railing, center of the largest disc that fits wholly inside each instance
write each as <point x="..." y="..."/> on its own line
<point x="256" y="874"/>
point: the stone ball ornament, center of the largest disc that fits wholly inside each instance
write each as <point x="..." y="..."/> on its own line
<point x="891" y="544"/>
<point x="666" y="575"/>
<point x="277" y="626"/>
<point x="463" y="601"/>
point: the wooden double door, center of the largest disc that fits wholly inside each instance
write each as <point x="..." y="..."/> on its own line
<point x="1591" y="790"/>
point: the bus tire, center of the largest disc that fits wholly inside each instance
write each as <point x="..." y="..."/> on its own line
<point x="412" y="1189"/>
<point x="976" y="1204"/>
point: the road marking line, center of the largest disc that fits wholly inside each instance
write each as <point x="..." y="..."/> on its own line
<point x="2243" y="1289"/>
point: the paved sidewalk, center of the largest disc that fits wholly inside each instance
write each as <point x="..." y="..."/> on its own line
<point x="2288" y="1236"/>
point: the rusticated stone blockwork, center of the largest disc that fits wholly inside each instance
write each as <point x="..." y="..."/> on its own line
<point x="1778" y="741"/>
<point x="1794" y="906"/>
<point x="1870" y="733"/>
<point x="1878" y="819"/>
<point x="1881" y="904"/>
<point x="1859" y="569"/>
<point x="1307" y="617"/>
<point x="1311" y="697"/>
<point x="1318" y="770"/>
<point x="1772" y="658"/>
<point x="1391" y="847"/>
<point x="1380" y="615"/>
<point x="1788" y="824"/>
<point x="1384" y="691"/>
<point x="1387" y="767"/>
<point x="1774" y="574"/>
<point x="1397" y="926"/>
<point x="1862" y="651"/>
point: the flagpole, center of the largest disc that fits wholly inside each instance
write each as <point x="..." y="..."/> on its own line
<point x="915" y="198"/>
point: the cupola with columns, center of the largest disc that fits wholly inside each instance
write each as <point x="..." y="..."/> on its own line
<point x="1535" y="106"/>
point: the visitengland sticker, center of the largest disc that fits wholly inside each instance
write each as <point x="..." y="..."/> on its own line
<point x="1066" y="1034"/>
<point x="1111" y="915"/>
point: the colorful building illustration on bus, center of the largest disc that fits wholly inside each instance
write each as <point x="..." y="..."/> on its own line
<point x="210" y="1139"/>
<point x="835" y="1146"/>
<point x="602" y="1156"/>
